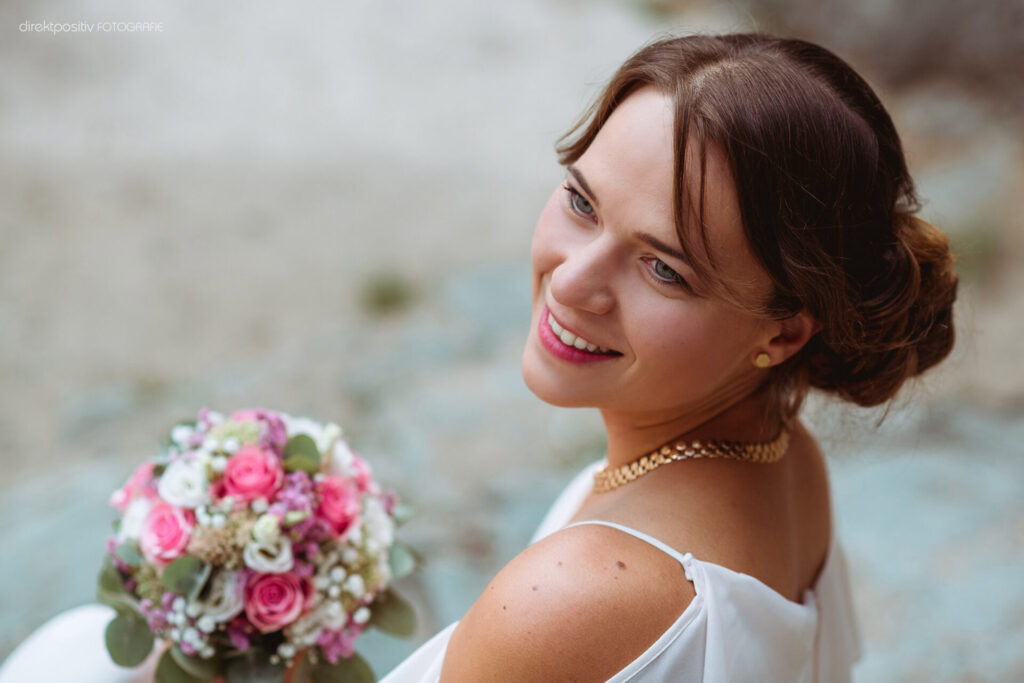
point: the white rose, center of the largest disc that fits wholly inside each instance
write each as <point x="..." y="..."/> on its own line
<point x="269" y="558"/>
<point x="134" y="516"/>
<point x="341" y="460"/>
<point x="184" y="484"/>
<point x="181" y="434"/>
<point x="332" y="433"/>
<point x="225" y="598"/>
<point x="267" y="531"/>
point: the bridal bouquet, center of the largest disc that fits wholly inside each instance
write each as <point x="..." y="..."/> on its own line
<point x="256" y="548"/>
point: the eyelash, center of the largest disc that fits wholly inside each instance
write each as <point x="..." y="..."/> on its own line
<point x="573" y="194"/>
<point x="677" y="281"/>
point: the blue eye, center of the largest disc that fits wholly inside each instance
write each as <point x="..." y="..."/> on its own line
<point x="578" y="202"/>
<point x="663" y="272"/>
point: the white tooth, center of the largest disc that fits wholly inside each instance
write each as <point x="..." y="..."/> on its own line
<point x="592" y="347"/>
<point x="554" y="324"/>
<point x="580" y="343"/>
<point x="568" y="338"/>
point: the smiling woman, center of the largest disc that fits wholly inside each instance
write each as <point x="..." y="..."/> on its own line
<point x="736" y="227"/>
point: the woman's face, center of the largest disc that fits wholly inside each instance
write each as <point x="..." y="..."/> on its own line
<point x="620" y="322"/>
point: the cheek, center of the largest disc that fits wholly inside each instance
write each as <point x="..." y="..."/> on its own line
<point x="545" y="252"/>
<point x="699" y="344"/>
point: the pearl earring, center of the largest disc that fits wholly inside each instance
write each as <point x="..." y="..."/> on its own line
<point x="763" y="360"/>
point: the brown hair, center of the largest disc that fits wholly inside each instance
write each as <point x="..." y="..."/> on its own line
<point x="826" y="201"/>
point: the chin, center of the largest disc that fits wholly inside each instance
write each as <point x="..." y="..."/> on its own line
<point x="545" y="384"/>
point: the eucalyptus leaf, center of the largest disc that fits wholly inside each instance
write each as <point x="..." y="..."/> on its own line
<point x="302" y="444"/>
<point x="110" y="579"/>
<point x="169" y="670"/>
<point x="129" y="640"/>
<point x="401" y="560"/>
<point x="354" y="669"/>
<point x="182" y="575"/>
<point x="303" y="462"/>
<point x="403" y="513"/>
<point x="129" y="554"/>
<point x="122" y="602"/>
<point x="110" y="589"/>
<point x="392" y="614"/>
<point x="197" y="667"/>
<point x="204" y="575"/>
<point x="253" y="666"/>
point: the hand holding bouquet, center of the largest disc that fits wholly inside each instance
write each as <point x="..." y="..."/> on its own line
<point x="258" y="544"/>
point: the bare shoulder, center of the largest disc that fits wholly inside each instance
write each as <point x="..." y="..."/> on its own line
<point x="578" y="605"/>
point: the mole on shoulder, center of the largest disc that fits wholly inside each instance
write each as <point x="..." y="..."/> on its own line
<point x="620" y="564"/>
<point x="535" y="588"/>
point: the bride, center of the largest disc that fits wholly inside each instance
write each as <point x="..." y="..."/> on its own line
<point x="736" y="226"/>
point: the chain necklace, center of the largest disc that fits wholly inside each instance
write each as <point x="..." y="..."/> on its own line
<point x="765" y="452"/>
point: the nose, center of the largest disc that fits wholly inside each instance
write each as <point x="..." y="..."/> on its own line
<point x="583" y="280"/>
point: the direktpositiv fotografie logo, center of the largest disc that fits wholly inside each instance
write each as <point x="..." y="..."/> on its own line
<point x="55" y="27"/>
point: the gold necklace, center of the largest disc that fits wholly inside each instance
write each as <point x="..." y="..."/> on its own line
<point x="762" y="452"/>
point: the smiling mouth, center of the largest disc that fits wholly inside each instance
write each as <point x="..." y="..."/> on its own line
<point x="570" y="339"/>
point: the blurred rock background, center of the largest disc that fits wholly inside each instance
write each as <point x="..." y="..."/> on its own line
<point x="327" y="209"/>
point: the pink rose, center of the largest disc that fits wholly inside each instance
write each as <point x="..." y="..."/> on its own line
<point x="252" y="473"/>
<point x="275" y="434"/>
<point x="273" y="601"/>
<point x="339" y="504"/>
<point x="364" y="477"/>
<point x="165" y="533"/>
<point x="141" y="483"/>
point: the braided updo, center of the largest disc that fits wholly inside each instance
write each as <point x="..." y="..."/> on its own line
<point x="827" y="203"/>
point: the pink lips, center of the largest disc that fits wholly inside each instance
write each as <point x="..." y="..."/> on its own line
<point x="569" y="353"/>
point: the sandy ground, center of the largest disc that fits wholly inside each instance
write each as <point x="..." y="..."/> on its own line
<point x="191" y="218"/>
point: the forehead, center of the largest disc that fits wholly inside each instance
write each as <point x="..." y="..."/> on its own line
<point x="630" y="168"/>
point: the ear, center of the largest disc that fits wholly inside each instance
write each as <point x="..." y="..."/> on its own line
<point x="793" y="333"/>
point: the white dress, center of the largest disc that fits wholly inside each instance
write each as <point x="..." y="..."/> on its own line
<point x="736" y="629"/>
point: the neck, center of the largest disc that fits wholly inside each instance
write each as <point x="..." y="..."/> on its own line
<point x="632" y="435"/>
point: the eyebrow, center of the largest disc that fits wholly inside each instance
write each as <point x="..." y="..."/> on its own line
<point x="661" y="246"/>
<point x="575" y="172"/>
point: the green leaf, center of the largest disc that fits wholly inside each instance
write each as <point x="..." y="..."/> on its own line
<point x="253" y="667"/>
<point x="110" y="579"/>
<point x="110" y="589"/>
<point x="392" y="614"/>
<point x="403" y="513"/>
<point x="301" y="444"/>
<point x="129" y="554"/>
<point x="197" y="667"/>
<point x="302" y="462"/>
<point x="169" y="670"/>
<point x="129" y="640"/>
<point x="185" y="575"/>
<point x="402" y="560"/>
<point x="351" y="670"/>
<point x="204" y="575"/>
<point x="301" y="453"/>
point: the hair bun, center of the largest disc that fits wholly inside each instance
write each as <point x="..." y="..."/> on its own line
<point x="903" y="324"/>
